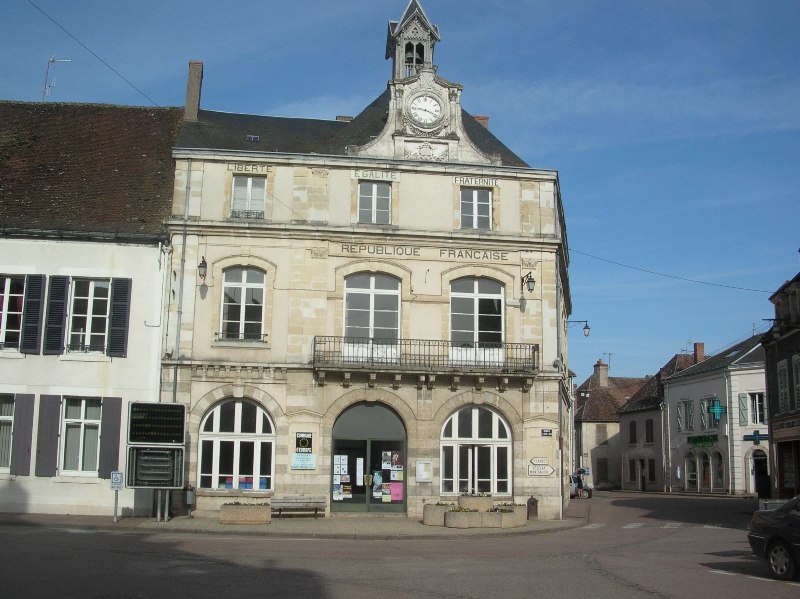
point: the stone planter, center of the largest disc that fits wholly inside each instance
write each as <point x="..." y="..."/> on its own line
<point x="245" y="514"/>
<point x="482" y="504"/>
<point x="473" y="520"/>
<point x="517" y="517"/>
<point x="433" y="515"/>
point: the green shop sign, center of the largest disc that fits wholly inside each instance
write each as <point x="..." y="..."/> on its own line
<point x="703" y="440"/>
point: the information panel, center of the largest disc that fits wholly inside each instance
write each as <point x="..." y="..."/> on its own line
<point x="155" y="467"/>
<point x="157" y="423"/>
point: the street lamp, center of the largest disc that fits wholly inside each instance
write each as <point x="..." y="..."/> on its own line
<point x="586" y="328"/>
<point x="202" y="268"/>
<point x="528" y="282"/>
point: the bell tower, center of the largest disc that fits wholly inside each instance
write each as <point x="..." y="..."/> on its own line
<point x="410" y="42"/>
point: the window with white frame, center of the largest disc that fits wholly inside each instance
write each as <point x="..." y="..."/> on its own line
<point x="374" y="202"/>
<point x="688" y="408"/>
<point x="476" y="313"/>
<point x="80" y="447"/>
<point x="703" y="414"/>
<point x="242" y="316"/>
<point x="372" y="308"/>
<point x="476" y="208"/>
<point x="6" y="429"/>
<point x="679" y="415"/>
<point x="12" y="293"/>
<point x="249" y="197"/>
<point x="236" y="447"/>
<point x="758" y="414"/>
<point x="88" y="321"/>
<point x="476" y="452"/>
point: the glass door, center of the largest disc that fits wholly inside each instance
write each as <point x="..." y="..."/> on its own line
<point x="475" y="469"/>
<point x="368" y="475"/>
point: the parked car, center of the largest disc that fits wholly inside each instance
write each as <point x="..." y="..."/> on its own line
<point x="579" y="488"/>
<point x="775" y="536"/>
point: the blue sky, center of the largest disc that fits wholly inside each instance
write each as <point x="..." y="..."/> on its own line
<point x="674" y="125"/>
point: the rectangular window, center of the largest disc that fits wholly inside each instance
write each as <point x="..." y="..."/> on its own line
<point x="476" y="208"/>
<point x="6" y="426"/>
<point x="81" y="434"/>
<point x="632" y="432"/>
<point x="651" y="470"/>
<point x="679" y="415"/>
<point x="374" y="203"/>
<point x="689" y="409"/>
<point x="783" y="386"/>
<point x="249" y="197"/>
<point x="796" y="371"/>
<point x="758" y="413"/>
<point x="601" y="434"/>
<point x="632" y="470"/>
<point x="12" y="288"/>
<point x="648" y="431"/>
<point x="703" y="414"/>
<point x="242" y="316"/>
<point x="88" y="322"/>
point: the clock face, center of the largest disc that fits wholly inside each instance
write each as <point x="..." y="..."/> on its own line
<point x="425" y="109"/>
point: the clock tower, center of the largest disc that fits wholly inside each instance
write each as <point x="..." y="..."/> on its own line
<point x="424" y="118"/>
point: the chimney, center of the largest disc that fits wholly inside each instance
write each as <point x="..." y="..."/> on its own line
<point x="699" y="352"/>
<point x="194" y="86"/>
<point x="601" y="373"/>
<point x="483" y="120"/>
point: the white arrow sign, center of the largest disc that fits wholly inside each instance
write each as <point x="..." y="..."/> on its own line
<point x="540" y="470"/>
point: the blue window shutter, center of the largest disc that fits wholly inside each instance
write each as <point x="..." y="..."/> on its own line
<point x="23" y="435"/>
<point x="109" y="436"/>
<point x="47" y="435"/>
<point x="118" y="321"/>
<point x="743" y="409"/>
<point x="32" y="311"/>
<point x="56" y="320"/>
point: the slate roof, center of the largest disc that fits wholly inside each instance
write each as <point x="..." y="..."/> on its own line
<point x="229" y="131"/>
<point x="747" y="352"/>
<point x="86" y="169"/>
<point x="602" y="404"/>
<point x="651" y="395"/>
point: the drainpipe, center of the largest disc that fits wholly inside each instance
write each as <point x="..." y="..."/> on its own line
<point x="728" y="441"/>
<point x="181" y="277"/>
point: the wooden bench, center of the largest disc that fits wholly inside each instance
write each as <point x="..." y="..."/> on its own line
<point x="298" y="504"/>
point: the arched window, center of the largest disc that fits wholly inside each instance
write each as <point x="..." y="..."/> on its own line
<point x="476" y="452"/>
<point x="242" y="317"/>
<point x="237" y="447"/>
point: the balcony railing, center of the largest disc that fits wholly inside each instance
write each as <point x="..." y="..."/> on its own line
<point x="423" y="355"/>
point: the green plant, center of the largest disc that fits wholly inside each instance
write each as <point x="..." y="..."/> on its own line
<point x="479" y="494"/>
<point x="463" y="509"/>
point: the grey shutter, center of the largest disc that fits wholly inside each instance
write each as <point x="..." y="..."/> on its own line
<point x="743" y="409"/>
<point x="109" y="436"/>
<point x="56" y="320"/>
<point x="118" y="321"/>
<point x="22" y="436"/>
<point x="32" y="311"/>
<point x="47" y="435"/>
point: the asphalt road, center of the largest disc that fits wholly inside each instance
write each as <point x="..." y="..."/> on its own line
<point x="633" y="546"/>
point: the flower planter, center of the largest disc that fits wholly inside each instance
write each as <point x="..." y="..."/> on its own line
<point x="513" y="519"/>
<point x="473" y="502"/>
<point x="245" y="514"/>
<point x="433" y="515"/>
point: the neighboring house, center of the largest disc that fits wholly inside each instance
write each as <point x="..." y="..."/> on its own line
<point x="598" y="441"/>
<point x="716" y="423"/>
<point x="782" y="346"/>
<point x="370" y="310"/>
<point x="84" y="190"/>
<point x="640" y="423"/>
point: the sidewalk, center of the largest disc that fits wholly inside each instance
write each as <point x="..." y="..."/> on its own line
<point x="381" y="527"/>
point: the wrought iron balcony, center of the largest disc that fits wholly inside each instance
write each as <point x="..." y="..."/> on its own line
<point x="424" y="356"/>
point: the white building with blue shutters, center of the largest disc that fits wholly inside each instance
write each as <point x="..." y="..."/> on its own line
<point x="716" y="424"/>
<point x="81" y="273"/>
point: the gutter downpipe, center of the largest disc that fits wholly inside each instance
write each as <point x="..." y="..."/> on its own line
<point x="560" y="399"/>
<point x="181" y="278"/>
<point x="728" y="441"/>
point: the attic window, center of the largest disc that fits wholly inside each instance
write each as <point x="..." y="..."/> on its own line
<point x="252" y="138"/>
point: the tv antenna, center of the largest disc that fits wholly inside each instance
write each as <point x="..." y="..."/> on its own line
<point x="50" y="83"/>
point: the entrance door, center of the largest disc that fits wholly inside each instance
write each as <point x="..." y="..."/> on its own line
<point x="475" y="469"/>
<point x="761" y="474"/>
<point x="369" y="461"/>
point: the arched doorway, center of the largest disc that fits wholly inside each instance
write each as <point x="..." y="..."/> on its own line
<point x="368" y="471"/>
<point x="759" y="473"/>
